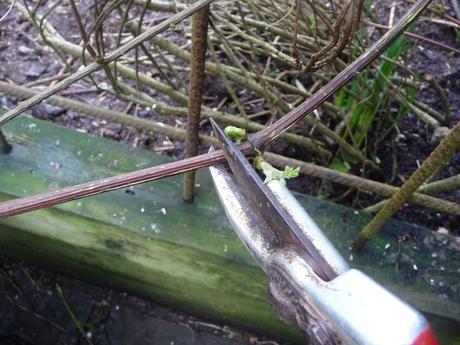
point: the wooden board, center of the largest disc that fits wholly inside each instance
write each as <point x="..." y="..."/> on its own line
<point x="147" y="241"/>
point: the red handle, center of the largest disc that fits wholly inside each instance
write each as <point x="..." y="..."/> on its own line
<point x="426" y="338"/>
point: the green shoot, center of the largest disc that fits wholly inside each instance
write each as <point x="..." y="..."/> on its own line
<point x="273" y="174"/>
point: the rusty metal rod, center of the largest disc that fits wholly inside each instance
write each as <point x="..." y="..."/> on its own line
<point x="200" y="22"/>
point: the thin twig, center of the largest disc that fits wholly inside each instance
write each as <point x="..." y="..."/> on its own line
<point x="442" y="96"/>
<point x="417" y="37"/>
<point x="72" y="315"/>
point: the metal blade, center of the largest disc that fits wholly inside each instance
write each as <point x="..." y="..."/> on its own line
<point x="269" y="209"/>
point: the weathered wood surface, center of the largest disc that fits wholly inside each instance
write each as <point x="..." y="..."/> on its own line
<point x="146" y="240"/>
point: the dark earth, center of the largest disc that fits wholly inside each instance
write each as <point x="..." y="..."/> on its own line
<point x="33" y="312"/>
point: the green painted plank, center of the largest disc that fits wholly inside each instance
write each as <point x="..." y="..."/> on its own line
<point x="152" y="209"/>
<point x="146" y="240"/>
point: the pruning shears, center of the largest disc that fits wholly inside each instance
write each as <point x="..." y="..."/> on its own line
<point x="310" y="283"/>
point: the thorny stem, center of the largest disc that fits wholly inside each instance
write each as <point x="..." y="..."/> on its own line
<point x="440" y="156"/>
<point x="260" y="139"/>
<point x="200" y="22"/>
<point x="30" y="203"/>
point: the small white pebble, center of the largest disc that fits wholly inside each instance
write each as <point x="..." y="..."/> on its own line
<point x="351" y="257"/>
<point x="443" y="231"/>
<point x="434" y="255"/>
<point x="117" y="307"/>
<point x="142" y="210"/>
<point x="387" y="246"/>
<point x="163" y="210"/>
<point x="415" y="267"/>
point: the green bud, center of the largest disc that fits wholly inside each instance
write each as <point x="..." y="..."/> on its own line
<point x="258" y="162"/>
<point x="235" y="133"/>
